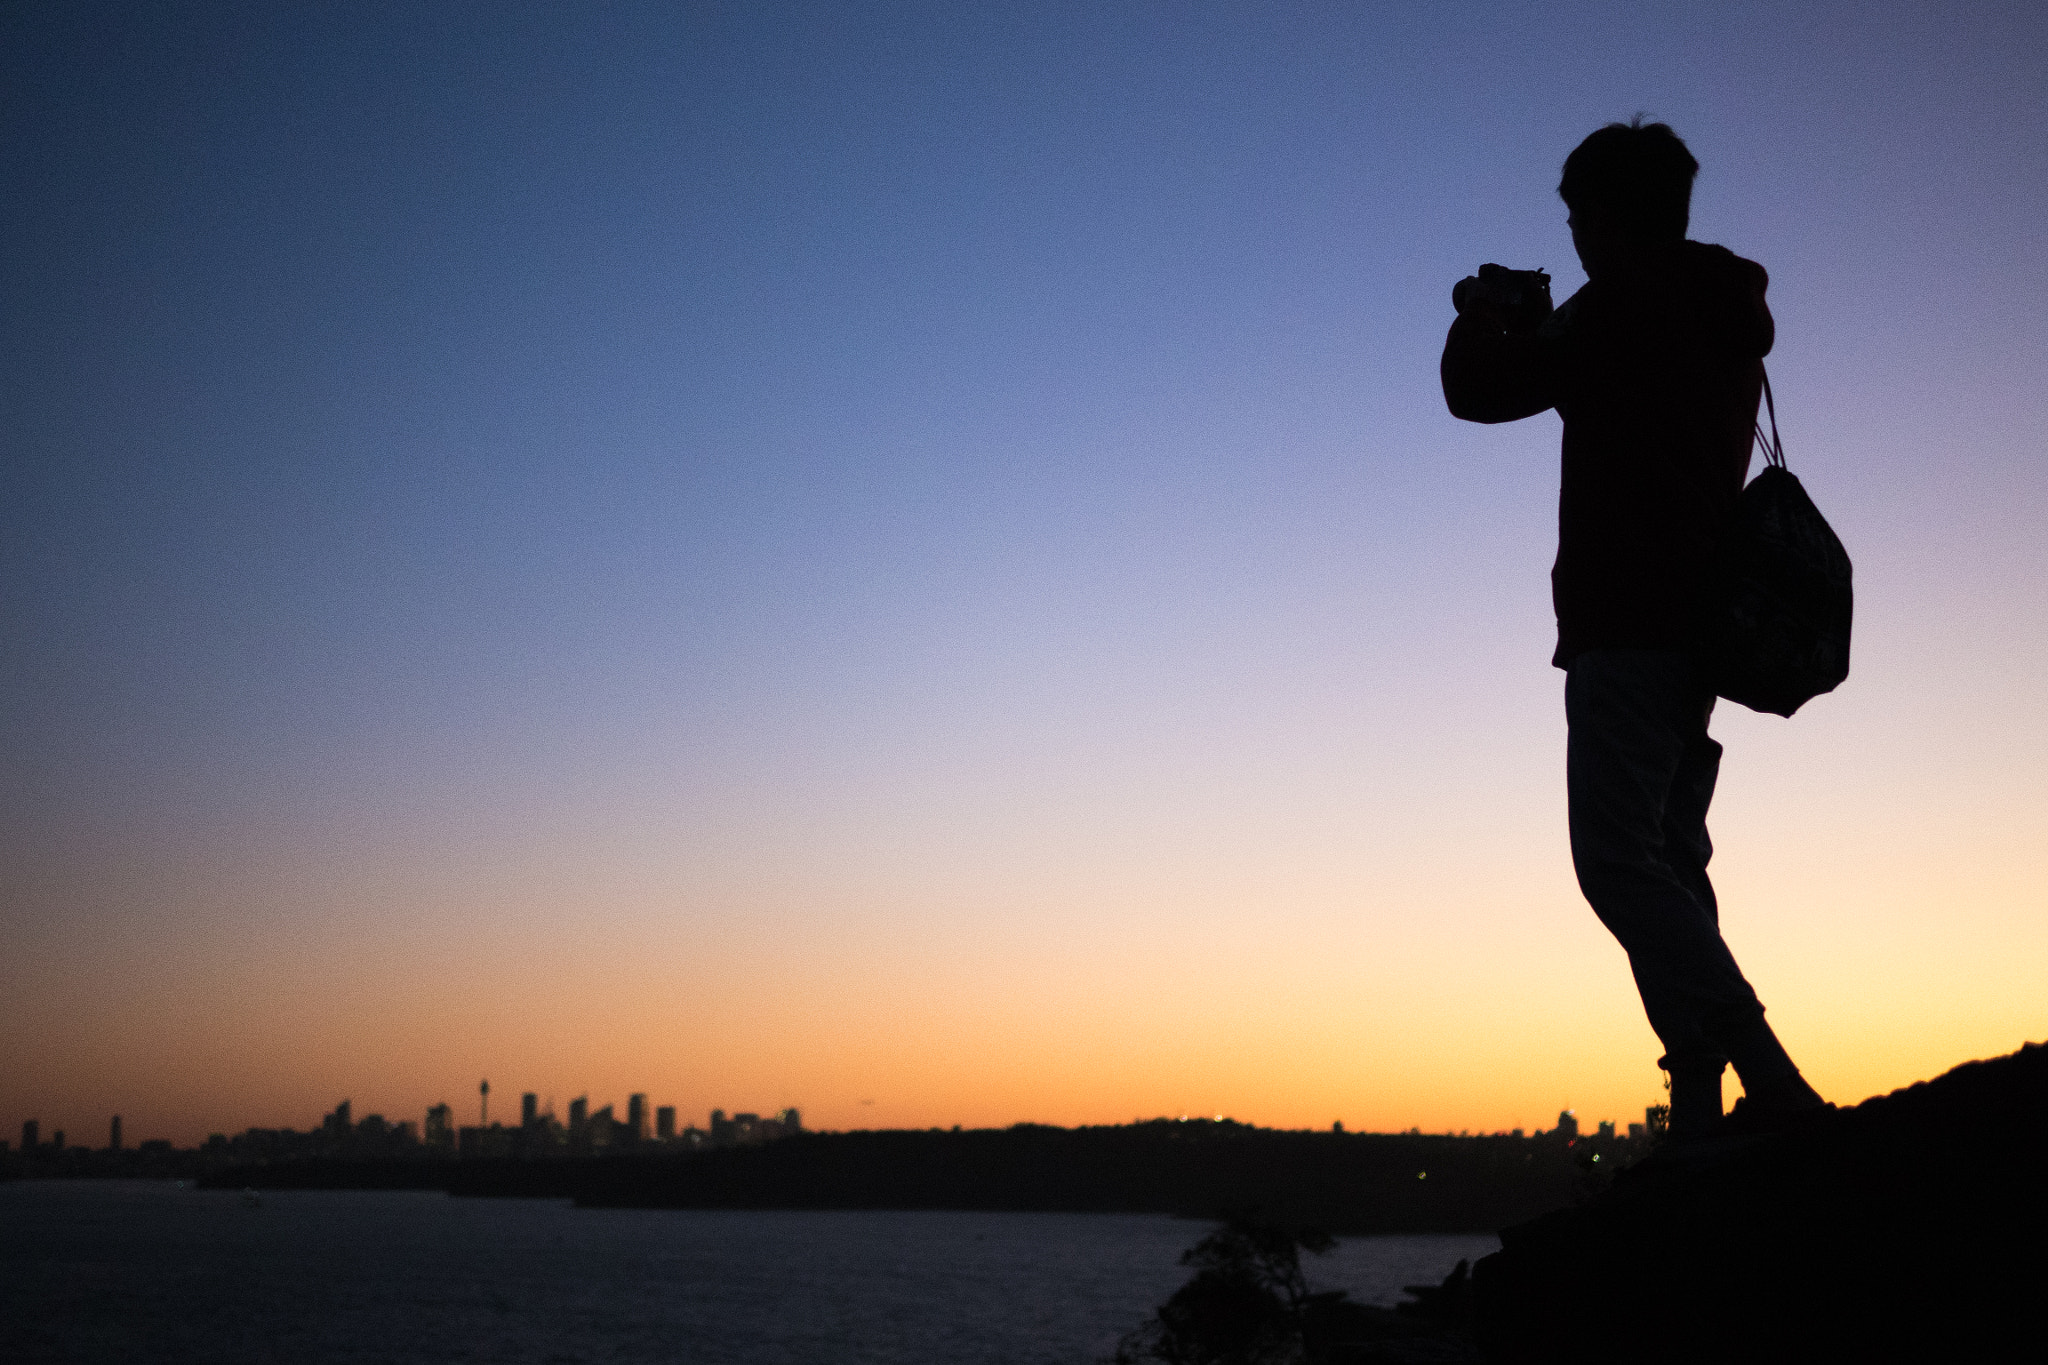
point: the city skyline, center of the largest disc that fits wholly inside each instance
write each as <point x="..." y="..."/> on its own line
<point x="645" y="1125"/>
<point x="644" y="1120"/>
<point x="912" y="558"/>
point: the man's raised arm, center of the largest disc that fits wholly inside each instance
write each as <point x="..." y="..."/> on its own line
<point x="1492" y="375"/>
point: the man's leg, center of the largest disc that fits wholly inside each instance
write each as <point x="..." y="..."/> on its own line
<point x="1640" y="770"/>
<point x="1695" y="1077"/>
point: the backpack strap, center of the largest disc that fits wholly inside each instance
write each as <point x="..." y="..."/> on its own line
<point x="1774" y="448"/>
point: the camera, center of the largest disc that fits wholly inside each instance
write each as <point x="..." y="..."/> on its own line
<point x="1521" y="297"/>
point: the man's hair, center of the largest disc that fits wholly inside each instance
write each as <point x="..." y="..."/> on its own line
<point x="1640" y="172"/>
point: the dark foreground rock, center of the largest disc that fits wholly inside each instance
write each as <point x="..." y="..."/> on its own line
<point x="1908" y="1228"/>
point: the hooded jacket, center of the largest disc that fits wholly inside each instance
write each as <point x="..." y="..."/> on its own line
<point x="1656" y="371"/>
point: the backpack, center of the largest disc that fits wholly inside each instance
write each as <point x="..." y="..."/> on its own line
<point x="1779" y="633"/>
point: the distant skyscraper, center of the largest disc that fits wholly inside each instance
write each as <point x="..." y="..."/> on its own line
<point x="440" y="1129"/>
<point x="792" y="1120"/>
<point x="114" y="1135"/>
<point x="57" y="1140"/>
<point x="484" y="1114"/>
<point x="31" y="1135"/>
<point x="1568" y="1124"/>
<point x="529" y="1109"/>
<point x="603" y="1130"/>
<point x="665" y="1123"/>
<point x="636" y="1119"/>
<point x="579" y="1126"/>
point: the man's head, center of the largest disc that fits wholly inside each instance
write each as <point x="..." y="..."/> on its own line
<point x="1628" y="187"/>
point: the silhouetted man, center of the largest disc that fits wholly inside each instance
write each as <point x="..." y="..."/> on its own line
<point x="1655" y="366"/>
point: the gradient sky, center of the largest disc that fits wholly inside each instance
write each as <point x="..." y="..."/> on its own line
<point x="908" y="560"/>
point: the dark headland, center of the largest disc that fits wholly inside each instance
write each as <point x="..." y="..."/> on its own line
<point x="1344" y="1182"/>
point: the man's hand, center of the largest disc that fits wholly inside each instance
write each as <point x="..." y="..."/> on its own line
<point x="1472" y="300"/>
<point x="1511" y="300"/>
<point x="1494" y="367"/>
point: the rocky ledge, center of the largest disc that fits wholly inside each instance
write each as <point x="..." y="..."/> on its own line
<point x="1907" y="1228"/>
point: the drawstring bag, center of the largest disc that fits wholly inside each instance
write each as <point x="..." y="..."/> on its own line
<point x="1780" y="630"/>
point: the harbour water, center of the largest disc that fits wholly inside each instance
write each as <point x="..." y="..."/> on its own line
<point x="130" y="1271"/>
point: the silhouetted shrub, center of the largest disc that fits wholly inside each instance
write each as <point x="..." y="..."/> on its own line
<point x="1249" y="1304"/>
